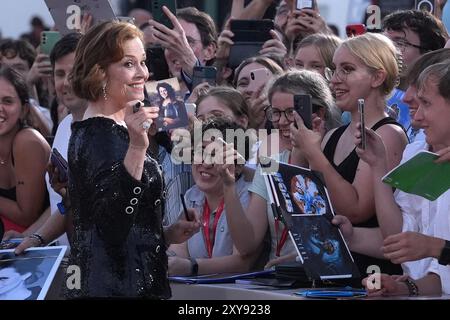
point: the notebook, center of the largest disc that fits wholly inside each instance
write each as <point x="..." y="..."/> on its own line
<point x="299" y="198"/>
<point x="420" y="175"/>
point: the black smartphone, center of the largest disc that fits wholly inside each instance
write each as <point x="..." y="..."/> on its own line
<point x="249" y="37"/>
<point x="59" y="162"/>
<point x="303" y="106"/>
<point x="251" y="30"/>
<point x="426" y="5"/>
<point x="186" y="215"/>
<point x="362" y="144"/>
<point x="158" y="13"/>
<point x="156" y="63"/>
<point x="204" y="74"/>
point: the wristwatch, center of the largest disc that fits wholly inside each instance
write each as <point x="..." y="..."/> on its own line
<point x="444" y="258"/>
<point x="194" y="267"/>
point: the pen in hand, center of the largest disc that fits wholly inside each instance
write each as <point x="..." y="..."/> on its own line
<point x="185" y="208"/>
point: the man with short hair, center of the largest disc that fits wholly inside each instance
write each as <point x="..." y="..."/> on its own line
<point x="414" y="33"/>
<point x="192" y="42"/>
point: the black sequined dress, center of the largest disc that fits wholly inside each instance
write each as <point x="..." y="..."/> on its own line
<point x="118" y="240"/>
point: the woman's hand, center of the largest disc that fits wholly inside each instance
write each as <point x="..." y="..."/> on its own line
<point x="182" y="230"/>
<point x="274" y="46"/>
<point x="40" y="69"/>
<point x="224" y="43"/>
<point x="198" y="91"/>
<point x="139" y="123"/>
<point x="346" y="227"/>
<point x="227" y="169"/>
<point x="307" y="141"/>
<point x="179" y="266"/>
<point x="375" y="152"/>
<point x="386" y="285"/>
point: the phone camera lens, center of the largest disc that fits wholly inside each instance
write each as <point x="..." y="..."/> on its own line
<point x="252" y="75"/>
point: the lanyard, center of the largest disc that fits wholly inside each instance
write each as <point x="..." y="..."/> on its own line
<point x="281" y="241"/>
<point x="206" y="231"/>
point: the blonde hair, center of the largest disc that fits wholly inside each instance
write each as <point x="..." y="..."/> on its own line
<point x="377" y="52"/>
<point x="325" y="44"/>
<point x="101" y="46"/>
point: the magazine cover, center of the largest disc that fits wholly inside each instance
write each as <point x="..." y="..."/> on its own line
<point x="300" y="199"/>
<point x="166" y="95"/>
<point x="28" y="276"/>
<point x="299" y="190"/>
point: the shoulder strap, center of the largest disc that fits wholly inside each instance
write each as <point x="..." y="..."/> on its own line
<point x="330" y="146"/>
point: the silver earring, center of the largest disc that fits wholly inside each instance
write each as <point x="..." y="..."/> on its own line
<point x="105" y="96"/>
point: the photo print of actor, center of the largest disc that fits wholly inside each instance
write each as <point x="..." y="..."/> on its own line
<point x="306" y="195"/>
<point x="172" y="111"/>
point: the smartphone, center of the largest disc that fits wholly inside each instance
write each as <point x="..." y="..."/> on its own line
<point x="158" y="13"/>
<point x="183" y="202"/>
<point x="258" y="77"/>
<point x="426" y="5"/>
<point x="59" y="162"/>
<point x="191" y="108"/>
<point x="304" y="4"/>
<point x="48" y="41"/>
<point x="362" y="145"/>
<point x="249" y="37"/>
<point x="303" y="106"/>
<point x="156" y="63"/>
<point x="353" y="30"/>
<point x="251" y="30"/>
<point x="204" y="74"/>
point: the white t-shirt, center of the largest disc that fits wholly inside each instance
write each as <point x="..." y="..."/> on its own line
<point x="431" y="218"/>
<point x="61" y="142"/>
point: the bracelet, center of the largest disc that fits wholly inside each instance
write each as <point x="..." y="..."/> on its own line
<point x="412" y="287"/>
<point x="38" y="237"/>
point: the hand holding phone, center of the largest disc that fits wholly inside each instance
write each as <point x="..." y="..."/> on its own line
<point x="204" y="74"/>
<point x="258" y="77"/>
<point x="303" y="106"/>
<point x="304" y="4"/>
<point x="48" y="41"/>
<point x="59" y="162"/>
<point x="362" y="144"/>
<point x="158" y="13"/>
<point x="156" y="63"/>
<point x="183" y="202"/>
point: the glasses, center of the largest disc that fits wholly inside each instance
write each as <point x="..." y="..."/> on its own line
<point x="401" y="44"/>
<point x="274" y="115"/>
<point x="341" y="74"/>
